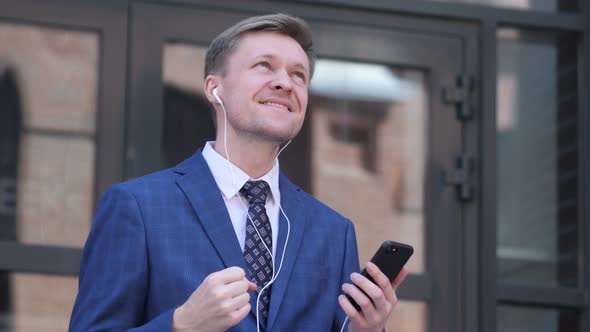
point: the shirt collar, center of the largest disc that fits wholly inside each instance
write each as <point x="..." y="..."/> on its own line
<point x="223" y="176"/>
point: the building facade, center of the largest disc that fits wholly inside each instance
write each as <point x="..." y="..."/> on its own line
<point x="458" y="126"/>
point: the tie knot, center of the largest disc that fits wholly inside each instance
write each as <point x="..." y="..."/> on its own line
<point x="255" y="192"/>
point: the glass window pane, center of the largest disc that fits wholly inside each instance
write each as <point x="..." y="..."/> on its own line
<point x="537" y="157"/>
<point x="188" y="121"/>
<point x="48" y="91"/>
<point x="528" y="319"/>
<point x="540" y="5"/>
<point x="57" y="75"/>
<point x="368" y="142"/>
<point x="55" y="190"/>
<point x="35" y="302"/>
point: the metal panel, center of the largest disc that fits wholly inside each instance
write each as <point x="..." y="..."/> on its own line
<point x="472" y="221"/>
<point x="416" y="288"/>
<point x="111" y="98"/>
<point x="487" y="233"/>
<point x="555" y="297"/>
<point x="424" y="8"/>
<point x="39" y="259"/>
<point x="87" y="15"/>
<point x="584" y="165"/>
<point x="529" y="19"/>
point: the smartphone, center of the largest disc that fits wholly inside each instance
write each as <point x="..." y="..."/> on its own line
<point x="390" y="258"/>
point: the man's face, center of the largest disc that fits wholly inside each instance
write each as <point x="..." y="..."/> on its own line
<point x="264" y="88"/>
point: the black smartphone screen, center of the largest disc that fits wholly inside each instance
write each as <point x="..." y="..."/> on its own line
<point x="390" y="258"/>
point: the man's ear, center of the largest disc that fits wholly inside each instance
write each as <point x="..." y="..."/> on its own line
<point x="211" y="83"/>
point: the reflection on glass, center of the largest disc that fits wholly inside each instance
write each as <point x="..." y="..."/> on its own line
<point x="538" y="5"/>
<point x="537" y="157"/>
<point x="368" y="142"/>
<point x="55" y="189"/>
<point x="187" y="116"/>
<point x="408" y="316"/>
<point x="57" y="75"/>
<point x="526" y="319"/>
<point x="34" y="302"/>
<point x="48" y="90"/>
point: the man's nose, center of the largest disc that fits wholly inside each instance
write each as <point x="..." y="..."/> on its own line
<point x="282" y="81"/>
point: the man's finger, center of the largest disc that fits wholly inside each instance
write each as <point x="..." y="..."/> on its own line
<point x="381" y="280"/>
<point x="239" y="301"/>
<point x="239" y="314"/>
<point x="228" y="275"/>
<point x="366" y="304"/>
<point x="237" y="288"/>
<point x="251" y="286"/>
<point x="351" y="311"/>
<point x="373" y="291"/>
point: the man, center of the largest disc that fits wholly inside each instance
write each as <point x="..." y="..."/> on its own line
<point x="189" y="248"/>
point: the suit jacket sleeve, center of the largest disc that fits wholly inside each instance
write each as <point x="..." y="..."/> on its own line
<point x="350" y="265"/>
<point x="113" y="280"/>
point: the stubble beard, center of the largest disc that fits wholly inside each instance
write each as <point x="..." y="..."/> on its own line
<point x="263" y="135"/>
<point x="260" y="132"/>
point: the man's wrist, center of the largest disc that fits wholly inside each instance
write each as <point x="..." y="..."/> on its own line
<point x="178" y="320"/>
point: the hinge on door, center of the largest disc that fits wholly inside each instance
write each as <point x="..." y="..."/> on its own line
<point x="460" y="177"/>
<point x="459" y="96"/>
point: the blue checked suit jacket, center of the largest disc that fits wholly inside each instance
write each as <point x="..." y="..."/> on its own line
<point x="155" y="239"/>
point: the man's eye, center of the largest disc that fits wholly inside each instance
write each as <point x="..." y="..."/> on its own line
<point x="263" y="64"/>
<point x="300" y="75"/>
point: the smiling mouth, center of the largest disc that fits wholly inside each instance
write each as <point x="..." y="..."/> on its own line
<point x="277" y="105"/>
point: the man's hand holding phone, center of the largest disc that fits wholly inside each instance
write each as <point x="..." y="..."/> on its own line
<point x="371" y="297"/>
<point x="376" y="300"/>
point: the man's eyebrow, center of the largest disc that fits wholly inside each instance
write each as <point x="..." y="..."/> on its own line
<point x="272" y="56"/>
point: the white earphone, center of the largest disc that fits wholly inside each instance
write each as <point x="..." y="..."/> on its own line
<point x="217" y="98"/>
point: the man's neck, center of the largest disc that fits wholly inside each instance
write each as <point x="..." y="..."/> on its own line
<point x="255" y="158"/>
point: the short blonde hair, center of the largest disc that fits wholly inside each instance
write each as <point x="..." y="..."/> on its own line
<point x="226" y="42"/>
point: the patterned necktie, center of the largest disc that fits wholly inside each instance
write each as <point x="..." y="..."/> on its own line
<point x="257" y="257"/>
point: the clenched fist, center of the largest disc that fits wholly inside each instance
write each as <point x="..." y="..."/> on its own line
<point x="220" y="302"/>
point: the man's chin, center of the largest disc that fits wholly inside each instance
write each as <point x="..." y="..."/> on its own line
<point x="278" y="140"/>
<point x="275" y="137"/>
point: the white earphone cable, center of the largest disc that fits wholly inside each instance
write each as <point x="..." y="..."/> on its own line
<point x="344" y="324"/>
<point x="230" y="166"/>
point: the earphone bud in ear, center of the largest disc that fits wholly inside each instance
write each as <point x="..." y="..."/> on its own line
<point x="217" y="97"/>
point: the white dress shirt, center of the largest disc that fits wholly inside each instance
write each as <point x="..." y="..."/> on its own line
<point x="230" y="184"/>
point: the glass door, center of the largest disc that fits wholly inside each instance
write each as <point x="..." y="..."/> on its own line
<point x="380" y="143"/>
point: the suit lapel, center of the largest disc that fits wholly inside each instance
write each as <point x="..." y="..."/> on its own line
<point x="200" y="188"/>
<point x="292" y="205"/>
<point x="202" y="191"/>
